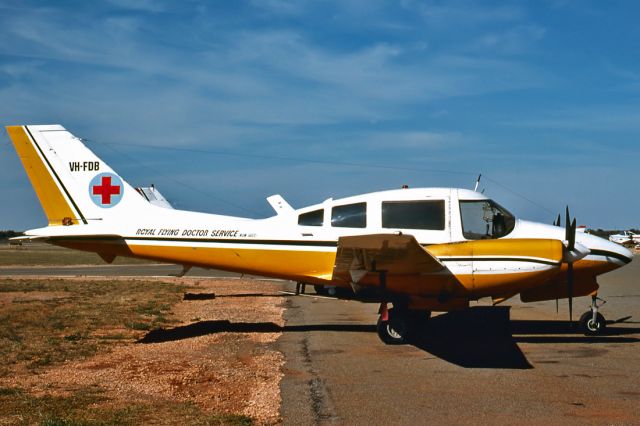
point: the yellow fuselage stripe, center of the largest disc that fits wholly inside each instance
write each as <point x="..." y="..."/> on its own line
<point x="316" y="267"/>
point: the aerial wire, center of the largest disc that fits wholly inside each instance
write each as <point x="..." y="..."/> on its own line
<point x="176" y="181"/>
<point x="506" y="188"/>
<point x="317" y="161"/>
<point x="293" y="159"/>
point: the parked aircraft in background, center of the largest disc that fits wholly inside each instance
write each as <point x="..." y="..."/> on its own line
<point x="627" y="238"/>
<point x="423" y="249"/>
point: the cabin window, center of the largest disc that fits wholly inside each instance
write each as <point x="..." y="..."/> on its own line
<point x="314" y="218"/>
<point x="349" y="216"/>
<point x="485" y="219"/>
<point x="422" y="214"/>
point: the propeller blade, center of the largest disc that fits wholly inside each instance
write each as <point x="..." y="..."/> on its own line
<point x="572" y="235"/>
<point x="557" y="222"/>
<point x="567" y="233"/>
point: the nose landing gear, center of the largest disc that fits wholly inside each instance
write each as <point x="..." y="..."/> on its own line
<point x="592" y="322"/>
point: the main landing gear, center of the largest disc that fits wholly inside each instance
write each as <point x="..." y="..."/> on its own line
<point x="592" y="322"/>
<point x="397" y="325"/>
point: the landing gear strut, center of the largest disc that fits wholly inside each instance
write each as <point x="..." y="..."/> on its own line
<point x="592" y="322"/>
<point x="396" y="325"/>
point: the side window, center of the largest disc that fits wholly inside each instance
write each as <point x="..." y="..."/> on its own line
<point x="314" y="218"/>
<point x="349" y="216"/>
<point x="422" y="214"/>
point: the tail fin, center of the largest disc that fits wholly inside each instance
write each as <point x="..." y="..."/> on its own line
<point x="73" y="185"/>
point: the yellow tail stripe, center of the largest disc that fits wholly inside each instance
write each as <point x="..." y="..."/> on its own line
<point x="53" y="202"/>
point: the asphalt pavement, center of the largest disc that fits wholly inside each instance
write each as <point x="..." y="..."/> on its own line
<point x="512" y="364"/>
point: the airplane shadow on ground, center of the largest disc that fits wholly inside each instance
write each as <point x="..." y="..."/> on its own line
<point x="480" y="337"/>
<point x="211" y="296"/>
<point x="473" y="338"/>
<point x="486" y="337"/>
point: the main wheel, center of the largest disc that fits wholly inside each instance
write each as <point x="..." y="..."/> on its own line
<point x="319" y="289"/>
<point x="395" y="330"/>
<point x="591" y="327"/>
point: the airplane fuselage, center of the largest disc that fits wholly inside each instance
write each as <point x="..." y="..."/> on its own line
<point x="301" y="244"/>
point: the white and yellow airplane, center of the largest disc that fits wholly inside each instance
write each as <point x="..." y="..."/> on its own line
<point x="627" y="238"/>
<point x="423" y="249"/>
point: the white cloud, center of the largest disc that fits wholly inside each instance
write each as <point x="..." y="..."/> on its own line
<point x="262" y="77"/>
<point x="600" y="117"/>
<point x="414" y="140"/>
<point x="153" y="6"/>
<point x="463" y="14"/>
<point x="517" y="40"/>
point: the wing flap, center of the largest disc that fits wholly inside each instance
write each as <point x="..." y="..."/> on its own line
<point x="395" y="254"/>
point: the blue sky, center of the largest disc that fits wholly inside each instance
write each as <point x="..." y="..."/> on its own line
<point x="226" y="98"/>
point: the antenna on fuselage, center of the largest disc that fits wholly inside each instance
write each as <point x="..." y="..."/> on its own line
<point x="477" y="182"/>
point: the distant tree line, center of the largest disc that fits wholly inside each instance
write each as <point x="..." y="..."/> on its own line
<point x="5" y="235"/>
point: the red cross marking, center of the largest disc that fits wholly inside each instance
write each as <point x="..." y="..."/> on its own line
<point x="106" y="190"/>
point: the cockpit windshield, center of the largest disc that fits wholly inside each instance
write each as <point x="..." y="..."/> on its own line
<point x="485" y="219"/>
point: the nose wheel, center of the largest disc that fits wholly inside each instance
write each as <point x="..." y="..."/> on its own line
<point x="592" y="322"/>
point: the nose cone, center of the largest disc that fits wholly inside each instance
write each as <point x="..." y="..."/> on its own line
<point x="613" y="253"/>
<point x="621" y="253"/>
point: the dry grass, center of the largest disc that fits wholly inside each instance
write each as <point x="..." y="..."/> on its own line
<point x="70" y="353"/>
<point x="30" y="254"/>
<point x="89" y="406"/>
<point x="44" y="322"/>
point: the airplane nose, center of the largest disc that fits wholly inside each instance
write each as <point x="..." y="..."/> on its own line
<point x="614" y="253"/>
<point x="619" y="253"/>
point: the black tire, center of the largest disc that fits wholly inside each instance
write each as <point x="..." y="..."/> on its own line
<point x="591" y="328"/>
<point x="394" y="331"/>
<point x="319" y="289"/>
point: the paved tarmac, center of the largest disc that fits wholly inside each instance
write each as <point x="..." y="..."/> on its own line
<point x="512" y="364"/>
<point x="489" y="365"/>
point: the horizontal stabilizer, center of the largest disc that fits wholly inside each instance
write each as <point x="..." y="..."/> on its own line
<point x="395" y="254"/>
<point x="28" y="238"/>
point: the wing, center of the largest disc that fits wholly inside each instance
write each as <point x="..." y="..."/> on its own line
<point x="395" y="254"/>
